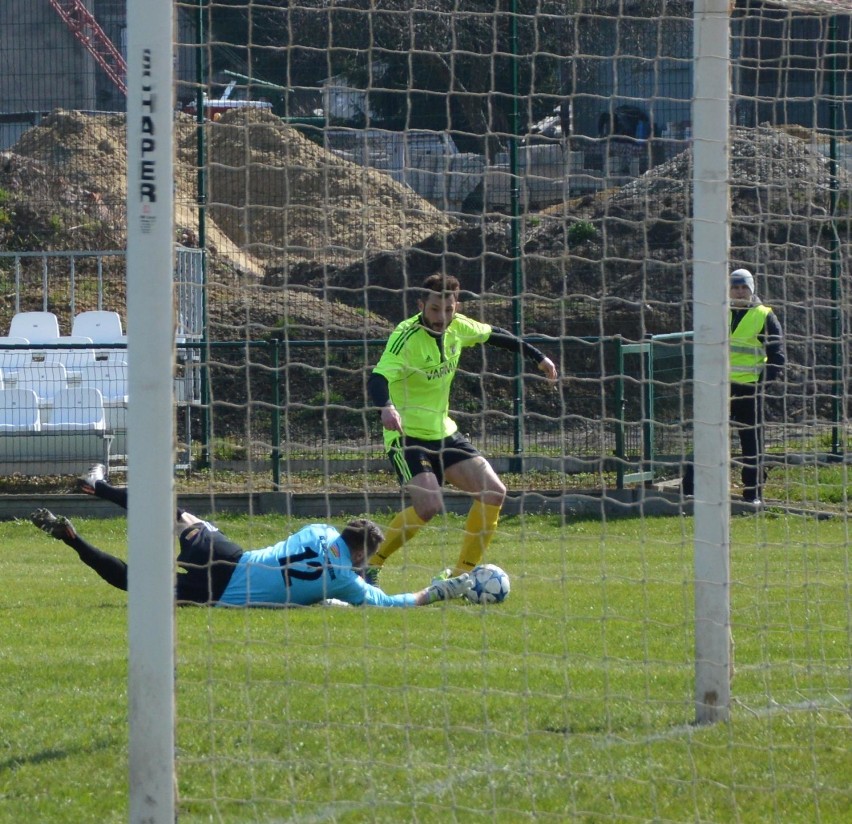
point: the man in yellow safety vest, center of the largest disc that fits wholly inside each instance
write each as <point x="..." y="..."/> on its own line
<point x="757" y="359"/>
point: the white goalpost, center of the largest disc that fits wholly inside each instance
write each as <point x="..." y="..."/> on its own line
<point x="711" y="228"/>
<point x="151" y="337"/>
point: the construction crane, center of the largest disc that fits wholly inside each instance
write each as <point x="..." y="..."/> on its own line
<point x="82" y="24"/>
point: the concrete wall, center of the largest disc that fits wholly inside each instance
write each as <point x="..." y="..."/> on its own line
<point x="335" y="505"/>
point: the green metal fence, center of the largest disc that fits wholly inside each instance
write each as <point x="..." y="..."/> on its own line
<point x="655" y="404"/>
<point x="281" y="399"/>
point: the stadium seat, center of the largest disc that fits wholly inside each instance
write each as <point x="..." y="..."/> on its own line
<point x="72" y="359"/>
<point x="19" y="411"/>
<point x="102" y="326"/>
<point x="109" y="378"/>
<point x="36" y="327"/>
<point x="45" y="379"/>
<point x="77" y="407"/>
<point x="13" y="358"/>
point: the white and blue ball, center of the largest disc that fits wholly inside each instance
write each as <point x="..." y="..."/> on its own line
<point x="490" y="585"/>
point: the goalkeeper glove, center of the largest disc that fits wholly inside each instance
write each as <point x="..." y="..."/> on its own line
<point x="449" y="588"/>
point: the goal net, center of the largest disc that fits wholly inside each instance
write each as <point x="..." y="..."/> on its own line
<point x="591" y="172"/>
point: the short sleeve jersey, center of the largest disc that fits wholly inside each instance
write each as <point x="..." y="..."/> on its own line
<point x="420" y="367"/>
<point x="306" y="568"/>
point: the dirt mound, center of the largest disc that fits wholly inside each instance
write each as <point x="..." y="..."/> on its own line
<point x="82" y="163"/>
<point x="274" y="194"/>
<point x="286" y="199"/>
<point x="277" y="199"/>
<point x="88" y="150"/>
<point x="243" y="308"/>
<point x="637" y="255"/>
<point x="42" y="208"/>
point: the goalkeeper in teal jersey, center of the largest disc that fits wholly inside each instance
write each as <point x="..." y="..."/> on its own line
<point x="317" y="564"/>
<point x="411" y="385"/>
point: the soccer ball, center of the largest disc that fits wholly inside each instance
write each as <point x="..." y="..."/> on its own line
<point x="490" y="585"/>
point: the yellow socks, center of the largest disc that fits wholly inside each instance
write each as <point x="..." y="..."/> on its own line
<point x="478" y="531"/>
<point x="402" y="528"/>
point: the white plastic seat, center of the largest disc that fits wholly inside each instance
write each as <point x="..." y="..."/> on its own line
<point x="72" y="359"/>
<point x="36" y="327"/>
<point x="109" y="378"/>
<point x="77" y="407"/>
<point x="102" y="326"/>
<point x="45" y="379"/>
<point x="19" y="411"/>
<point x="13" y="358"/>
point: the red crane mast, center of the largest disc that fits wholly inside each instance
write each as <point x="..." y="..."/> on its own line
<point x="87" y="31"/>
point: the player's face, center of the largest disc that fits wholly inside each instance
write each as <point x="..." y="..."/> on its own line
<point x="359" y="559"/>
<point x="438" y="311"/>
<point x="740" y="294"/>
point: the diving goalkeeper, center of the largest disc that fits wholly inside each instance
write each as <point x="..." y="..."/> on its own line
<point x="314" y="565"/>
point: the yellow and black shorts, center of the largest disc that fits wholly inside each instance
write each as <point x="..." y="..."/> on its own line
<point x="411" y="456"/>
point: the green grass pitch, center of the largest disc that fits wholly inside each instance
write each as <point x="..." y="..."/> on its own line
<point x="572" y="701"/>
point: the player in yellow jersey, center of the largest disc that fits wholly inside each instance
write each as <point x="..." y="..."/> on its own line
<point x="411" y="385"/>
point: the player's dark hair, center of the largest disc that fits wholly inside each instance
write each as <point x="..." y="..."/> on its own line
<point x="442" y="284"/>
<point x="362" y="533"/>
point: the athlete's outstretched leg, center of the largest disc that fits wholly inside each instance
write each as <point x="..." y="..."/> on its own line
<point x="93" y="482"/>
<point x="113" y="570"/>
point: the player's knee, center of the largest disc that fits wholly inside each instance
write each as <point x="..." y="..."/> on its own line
<point x="495" y="492"/>
<point x="428" y="508"/>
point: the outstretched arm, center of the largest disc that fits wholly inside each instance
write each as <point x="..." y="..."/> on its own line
<point x="444" y="590"/>
<point x="512" y="343"/>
